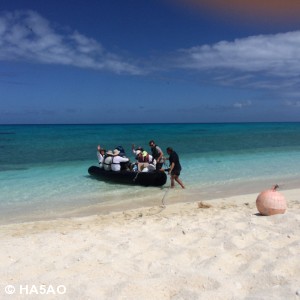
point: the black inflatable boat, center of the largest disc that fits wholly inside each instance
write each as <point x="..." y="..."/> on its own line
<point x="156" y="178"/>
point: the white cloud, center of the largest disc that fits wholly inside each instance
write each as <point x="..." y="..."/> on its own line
<point x="242" y="104"/>
<point x="293" y="103"/>
<point x="272" y="55"/>
<point x="27" y="36"/>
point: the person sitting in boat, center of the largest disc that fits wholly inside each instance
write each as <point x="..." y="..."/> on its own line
<point x="145" y="161"/>
<point x="100" y="155"/>
<point x="122" y="151"/>
<point x="107" y="160"/>
<point x="134" y="150"/>
<point x="118" y="162"/>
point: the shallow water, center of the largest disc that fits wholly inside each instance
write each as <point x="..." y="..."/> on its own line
<point x="43" y="168"/>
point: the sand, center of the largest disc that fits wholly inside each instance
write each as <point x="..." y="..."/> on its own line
<point x="217" y="249"/>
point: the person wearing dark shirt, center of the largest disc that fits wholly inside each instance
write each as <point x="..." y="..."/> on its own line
<point x="175" y="167"/>
<point x="157" y="155"/>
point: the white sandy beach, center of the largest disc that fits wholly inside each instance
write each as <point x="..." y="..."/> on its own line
<point x="182" y="251"/>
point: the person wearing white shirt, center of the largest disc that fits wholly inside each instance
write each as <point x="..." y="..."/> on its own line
<point x="108" y="160"/>
<point x="100" y="155"/>
<point x="117" y="160"/>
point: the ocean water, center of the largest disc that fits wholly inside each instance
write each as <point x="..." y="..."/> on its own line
<point x="43" y="168"/>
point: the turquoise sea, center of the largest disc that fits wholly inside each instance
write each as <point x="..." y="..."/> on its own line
<point x="43" y="168"/>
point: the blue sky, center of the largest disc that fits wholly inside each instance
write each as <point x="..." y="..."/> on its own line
<point x="141" y="61"/>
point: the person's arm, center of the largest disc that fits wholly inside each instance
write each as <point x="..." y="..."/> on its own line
<point x="100" y="157"/>
<point x="160" y="154"/>
<point x="171" y="167"/>
<point x="133" y="149"/>
<point x="119" y="159"/>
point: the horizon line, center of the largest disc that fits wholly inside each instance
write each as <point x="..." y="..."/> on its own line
<point x="147" y="123"/>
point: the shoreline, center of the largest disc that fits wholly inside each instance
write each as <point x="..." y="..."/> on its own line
<point x="145" y="197"/>
<point x="172" y="205"/>
<point x="222" y="249"/>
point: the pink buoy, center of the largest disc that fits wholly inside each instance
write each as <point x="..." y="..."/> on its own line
<point x="271" y="202"/>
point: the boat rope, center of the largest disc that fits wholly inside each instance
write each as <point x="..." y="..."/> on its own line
<point x="162" y="207"/>
<point x="134" y="179"/>
<point x="163" y="198"/>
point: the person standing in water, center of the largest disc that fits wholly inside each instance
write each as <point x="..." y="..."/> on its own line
<point x="157" y="155"/>
<point x="175" y="167"/>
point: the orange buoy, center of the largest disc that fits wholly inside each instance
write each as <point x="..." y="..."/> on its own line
<point x="271" y="202"/>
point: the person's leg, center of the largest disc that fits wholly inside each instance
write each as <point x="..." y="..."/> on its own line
<point x="172" y="181"/>
<point x="159" y="166"/>
<point x="176" y="177"/>
<point x="140" y="167"/>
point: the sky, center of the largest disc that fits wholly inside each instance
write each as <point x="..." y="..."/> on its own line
<point x="149" y="61"/>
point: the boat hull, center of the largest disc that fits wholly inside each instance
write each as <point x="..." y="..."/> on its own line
<point x="157" y="178"/>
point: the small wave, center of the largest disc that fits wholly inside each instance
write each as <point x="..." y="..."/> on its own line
<point x="4" y="169"/>
<point x="6" y="133"/>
